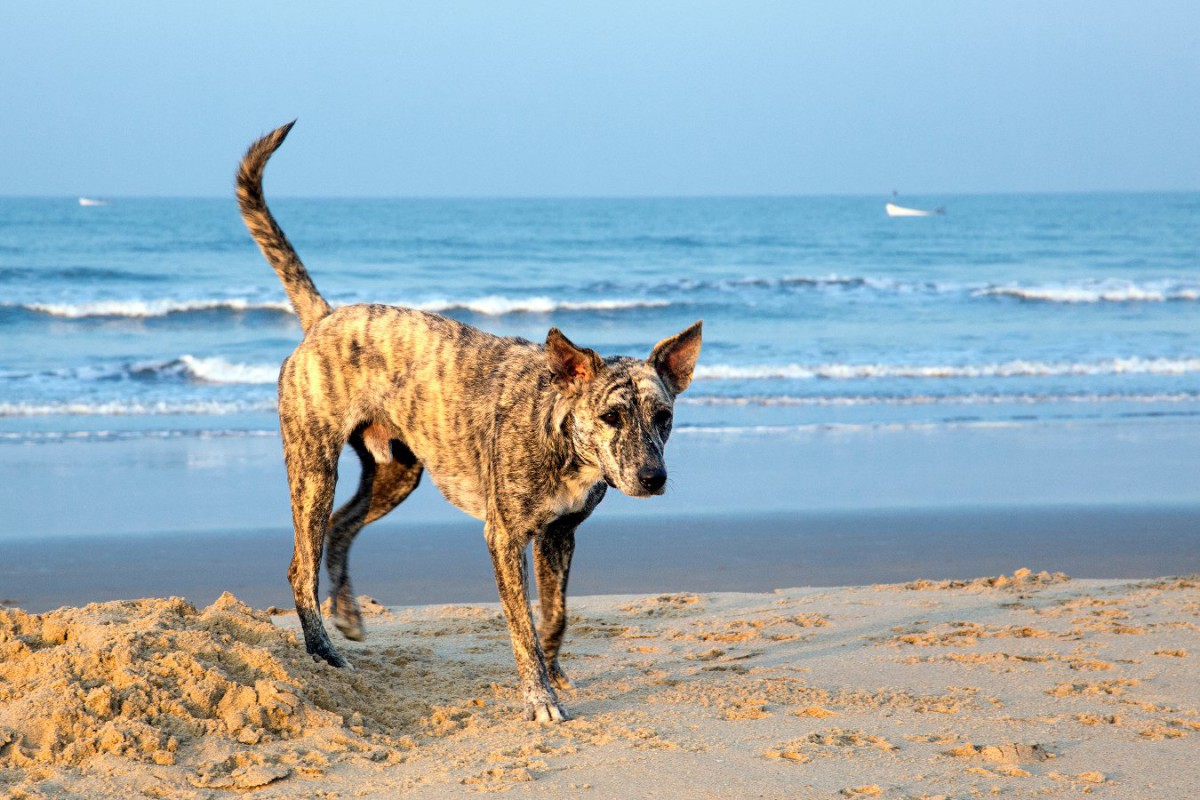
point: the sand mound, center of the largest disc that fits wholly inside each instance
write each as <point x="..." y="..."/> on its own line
<point x="1007" y="753"/>
<point x="159" y="681"/>
<point x="1020" y="579"/>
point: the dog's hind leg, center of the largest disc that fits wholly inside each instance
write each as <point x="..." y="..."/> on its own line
<point x="346" y="523"/>
<point x="381" y="488"/>
<point x="312" y="475"/>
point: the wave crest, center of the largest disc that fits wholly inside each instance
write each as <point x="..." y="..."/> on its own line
<point x="185" y="368"/>
<point x="1098" y="291"/>
<point x="498" y="305"/>
<point x="1008" y="369"/>
<point x="970" y="399"/>
<point x="142" y="309"/>
<point x="218" y="370"/>
<point x="127" y="408"/>
<point x="491" y="305"/>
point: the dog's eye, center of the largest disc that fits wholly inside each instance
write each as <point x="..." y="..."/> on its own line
<point x="612" y="418"/>
<point x="662" y="419"/>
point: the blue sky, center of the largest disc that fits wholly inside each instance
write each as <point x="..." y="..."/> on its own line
<point x="614" y="98"/>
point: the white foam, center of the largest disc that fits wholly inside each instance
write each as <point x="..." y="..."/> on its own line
<point x="490" y="305"/>
<point x="218" y="370"/>
<point x="498" y="305"/>
<point x="213" y="369"/>
<point x="1008" y="369"/>
<point x="1098" y="291"/>
<point x="55" y="437"/>
<point x="921" y="400"/>
<point x="123" y="408"/>
<point x="845" y="427"/>
<point x="139" y="309"/>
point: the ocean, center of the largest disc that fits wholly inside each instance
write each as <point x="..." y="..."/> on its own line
<point x="158" y="318"/>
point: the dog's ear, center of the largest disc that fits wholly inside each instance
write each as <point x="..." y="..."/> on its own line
<point x="571" y="366"/>
<point x="674" y="358"/>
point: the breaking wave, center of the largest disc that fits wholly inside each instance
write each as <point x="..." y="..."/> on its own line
<point x="1007" y="369"/>
<point x="1098" y="291"/>
<point x="492" y="305"/>
<point x="126" y="408"/>
<point x="930" y="399"/>
<point x="185" y="369"/>
<point x="217" y="370"/>
<point x="635" y="296"/>
<point x="142" y="309"/>
<point x="497" y="305"/>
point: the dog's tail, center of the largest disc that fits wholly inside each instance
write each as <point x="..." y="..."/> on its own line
<point x="309" y="304"/>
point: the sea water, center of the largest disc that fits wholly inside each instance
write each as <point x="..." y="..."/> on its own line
<point x="159" y="317"/>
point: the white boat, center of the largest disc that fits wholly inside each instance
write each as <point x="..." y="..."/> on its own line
<point x="894" y="210"/>
<point x="92" y="201"/>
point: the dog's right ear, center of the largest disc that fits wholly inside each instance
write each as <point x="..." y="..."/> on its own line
<point x="571" y="366"/>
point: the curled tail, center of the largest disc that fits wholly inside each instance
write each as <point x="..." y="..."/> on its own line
<point x="309" y="304"/>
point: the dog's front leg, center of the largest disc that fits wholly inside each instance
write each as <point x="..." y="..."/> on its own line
<point x="507" y="548"/>
<point x="552" y="565"/>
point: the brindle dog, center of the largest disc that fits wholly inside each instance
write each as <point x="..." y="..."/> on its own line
<point x="523" y="436"/>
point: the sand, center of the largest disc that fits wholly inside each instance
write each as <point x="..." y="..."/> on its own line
<point x="1020" y="685"/>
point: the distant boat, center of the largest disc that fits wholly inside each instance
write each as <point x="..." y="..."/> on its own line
<point x="894" y="210"/>
<point x="92" y="201"/>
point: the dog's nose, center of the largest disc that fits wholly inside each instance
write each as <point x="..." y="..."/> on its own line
<point x="652" y="479"/>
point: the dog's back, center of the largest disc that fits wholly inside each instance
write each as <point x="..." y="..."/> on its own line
<point x="422" y="379"/>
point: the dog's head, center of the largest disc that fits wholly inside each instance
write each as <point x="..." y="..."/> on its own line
<point x="620" y="408"/>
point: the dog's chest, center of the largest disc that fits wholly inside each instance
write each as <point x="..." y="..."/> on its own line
<point x="571" y="492"/>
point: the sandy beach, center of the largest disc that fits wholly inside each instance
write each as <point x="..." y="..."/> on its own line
<point x="1021" y="685"/>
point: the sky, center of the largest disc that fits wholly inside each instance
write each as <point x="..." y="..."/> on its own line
<point x="501" y="99"/>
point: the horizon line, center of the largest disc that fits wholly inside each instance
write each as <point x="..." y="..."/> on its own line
<point x="588" y="197"/>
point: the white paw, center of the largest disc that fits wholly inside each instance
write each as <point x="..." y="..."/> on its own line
<point x="546" y="712"/>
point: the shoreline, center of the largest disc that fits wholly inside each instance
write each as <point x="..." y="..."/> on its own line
<point x="221" y="484"/>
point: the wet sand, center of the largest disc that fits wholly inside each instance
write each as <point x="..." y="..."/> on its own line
<point x="447" y="562"/>
<point x="193" y="516"/>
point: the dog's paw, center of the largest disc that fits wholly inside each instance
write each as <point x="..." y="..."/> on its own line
<point x="350" y="625"/>
<point x="331" y="657"/>
<point x="546" y="712"/>
<point x="558" y="678"/>
<point x="542" y="706"/>
<point x="345" y="615"/>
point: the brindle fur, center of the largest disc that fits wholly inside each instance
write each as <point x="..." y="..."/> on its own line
<point x="523" y="436"/>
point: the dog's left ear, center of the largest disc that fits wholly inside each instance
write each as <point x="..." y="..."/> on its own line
<point x="571" y="366"/>
<point x="675" y="358"/>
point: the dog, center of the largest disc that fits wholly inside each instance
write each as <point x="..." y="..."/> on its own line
<point x="526" y="437"/>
